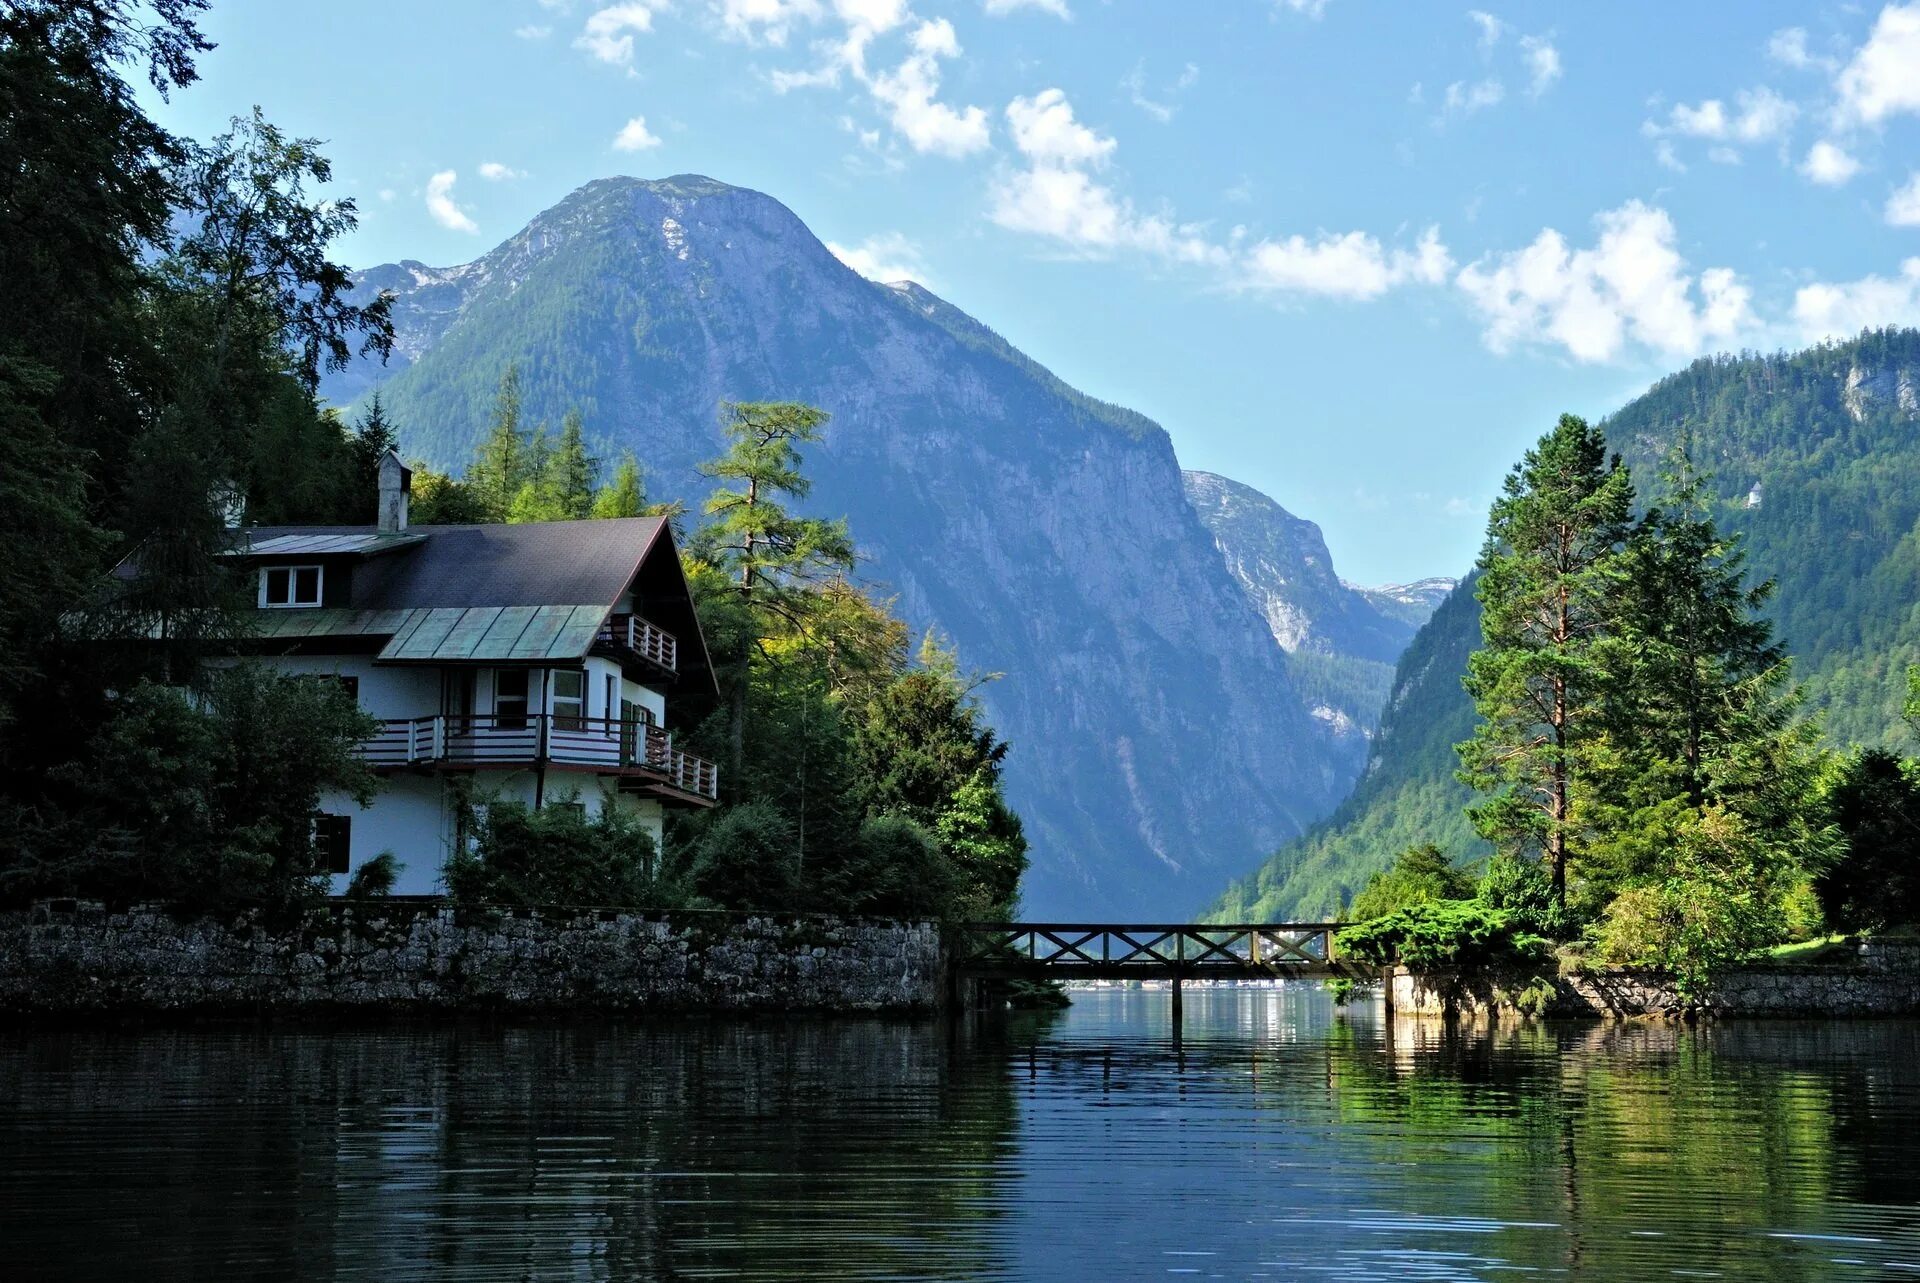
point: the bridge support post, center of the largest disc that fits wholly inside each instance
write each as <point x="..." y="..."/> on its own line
<point x="1386" y="992"/>
<point x="1176" y="1000"/>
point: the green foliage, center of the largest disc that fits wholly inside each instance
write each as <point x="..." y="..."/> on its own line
<point x="1422" y="875"/>
<point x="1721" y="903"/>
<point x="897" y="870"/>
<point x="625" y="495"/>
<point x="499" y="467"/>
<point x="1548" y="596"/>
<point x="1446" y="936"/>
<point x="747" y="858"/>
<point x="441" y="500"/>
<point x="204" y="802"/>
<point x="1873" y="881"/>
<point x="1521" y="889"/>
<point x="375" y="878"/>
<point x="556" y="855"/>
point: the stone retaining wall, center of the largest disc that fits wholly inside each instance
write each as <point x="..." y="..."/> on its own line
<point x="66" y="958"/>
<point x="1884" y="980"/>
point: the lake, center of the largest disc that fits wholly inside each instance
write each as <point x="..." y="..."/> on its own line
<point x="1276" y="1138"/>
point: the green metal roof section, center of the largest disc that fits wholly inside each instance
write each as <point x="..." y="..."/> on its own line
<point x="523" y="634"/>
<point x="323" y="544"/>
<point x="448" y="634"/>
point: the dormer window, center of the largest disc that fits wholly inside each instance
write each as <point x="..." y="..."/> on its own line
<point x="283" y="586"/>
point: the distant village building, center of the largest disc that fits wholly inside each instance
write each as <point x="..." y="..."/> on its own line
<point x="1753" y="496"/>
<point x="534" y="660"/>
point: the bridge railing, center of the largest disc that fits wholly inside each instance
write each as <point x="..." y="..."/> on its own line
<point x="1153" y="949"/>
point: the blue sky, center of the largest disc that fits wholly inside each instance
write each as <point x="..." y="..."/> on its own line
<point x="1355" y="254"/>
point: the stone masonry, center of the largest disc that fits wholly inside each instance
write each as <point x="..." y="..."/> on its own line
<point x="67" y="958"/>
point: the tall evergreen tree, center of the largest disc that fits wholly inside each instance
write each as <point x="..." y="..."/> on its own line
<point x="500" y="461"/>
<point x="772" y="555"/>
<point x="571" y="471"/>
<point x="625" y="495"/>
<point x="1549" y="595"/>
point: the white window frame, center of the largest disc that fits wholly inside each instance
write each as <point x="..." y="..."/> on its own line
<point x="576" y="719"/>
<point x="293" y="577"/>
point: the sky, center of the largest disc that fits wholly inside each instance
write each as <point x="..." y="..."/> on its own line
<point x="1356" y="254"/>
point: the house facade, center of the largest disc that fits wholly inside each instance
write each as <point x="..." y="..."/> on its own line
<point x="527" y="662"/>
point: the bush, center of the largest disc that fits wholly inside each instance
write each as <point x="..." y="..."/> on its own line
<point x="1723" y="904"/>
<point x="557" y="855"/>
<point x="1455" y="935"/>
<point x="1874" y="881"/>
<point x="1421" y="875"/>
<point x="375" y="878"/>
<point x="746" y="858"/>
<point x="897" y="870"/>
<point x="1523" y="890"/>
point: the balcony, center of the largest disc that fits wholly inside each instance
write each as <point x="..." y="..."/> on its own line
<point x="635" y="751"/>
<point x="647" y="640"/>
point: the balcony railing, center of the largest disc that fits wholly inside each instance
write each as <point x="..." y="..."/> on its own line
<point x="469" y="741"/>
<point x="647" y="640"/>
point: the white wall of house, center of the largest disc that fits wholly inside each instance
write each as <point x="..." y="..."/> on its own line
<point x="410" y="817"/>
<point x="386" y="690"/>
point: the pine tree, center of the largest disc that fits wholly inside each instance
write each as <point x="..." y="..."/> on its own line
<point x="500" y="461"/>
<point x="773" y="556"/>
<point x="625" y="495"/>
<point x="571" y="470"/>
<point x="1549" y="595"/>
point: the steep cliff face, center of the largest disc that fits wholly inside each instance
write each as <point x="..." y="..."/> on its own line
<point x="1159" y="742"/>
<point x="1342" y="640"/>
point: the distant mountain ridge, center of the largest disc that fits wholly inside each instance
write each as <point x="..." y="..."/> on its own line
<point x="1814" y="458"/>
<point x="1342" y="640"/>
<point x="1159" y="740"/>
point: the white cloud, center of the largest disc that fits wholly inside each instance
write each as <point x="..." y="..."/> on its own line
<point x="533" y="31"/>
<point x="1045" y="131"/>
<point x="1664" y="153"/>
<point x="1762" y="116"/>
<point x="908" y="92"/>
<point x="1464" y="99"/>
<point x="887" y="256"/>
<point x="1788" y="47"/>
<point x="1491" y="28"/>
<point x="1829" y="164"/>
<point x="440" y="204"/>
<point x="608" y="34"/>
<point x="1841" y="310"/>
<point x="1903" y="207"/>
<point x="1349" y="265"/>
<point x="387" y="193"/>
<point x="1135" y="83"/>
<point x="1311" y="8"/>
<point x="1883" y="77"/>
<point x="1058" y="8"/>
<point x="635" y="136"/>
<point x="1543" y="64"/>
<point x="1632" y="286"/>
<point x="768" y="20"/>
<point x="494" y="172"/>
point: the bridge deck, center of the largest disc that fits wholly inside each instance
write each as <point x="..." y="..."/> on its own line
<point x="1102" y="951"/>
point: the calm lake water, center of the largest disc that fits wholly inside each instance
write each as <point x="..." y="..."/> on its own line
<point x="1275" y="1140"/>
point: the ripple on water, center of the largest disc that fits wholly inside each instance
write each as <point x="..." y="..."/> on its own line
<point x="1273" y="1139"/>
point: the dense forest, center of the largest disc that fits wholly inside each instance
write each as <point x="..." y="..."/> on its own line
<point x="1808" y="458"/>
<point x="171" y="309"/>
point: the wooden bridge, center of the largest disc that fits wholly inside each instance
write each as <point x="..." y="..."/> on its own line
<point x="1173" y="952"/>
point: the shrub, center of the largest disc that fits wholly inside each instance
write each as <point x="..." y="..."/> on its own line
<point x="1455" y="935"/>
<point x="556" y="855"/>
<point x="1421" y="875"/>
<point x="897" y="869"/>
<point x="1874" y="880"/>
<point x="746" y="858"/>
<point x="1523" y="890"/>
<point x="375" y="878"/>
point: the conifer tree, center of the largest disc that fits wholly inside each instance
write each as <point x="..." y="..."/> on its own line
<point x="500" y="462"/>
<point x="1549" y="595"/>
<point x="625" y="495"/>
<point x="571" y="470"/>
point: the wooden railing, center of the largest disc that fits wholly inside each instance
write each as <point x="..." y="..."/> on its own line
<point x="648" y="640"/>
<point x="1083" y="950"/>
<point x="464" y="741"/>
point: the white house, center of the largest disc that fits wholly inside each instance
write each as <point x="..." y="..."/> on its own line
<point x="534" y="661"/>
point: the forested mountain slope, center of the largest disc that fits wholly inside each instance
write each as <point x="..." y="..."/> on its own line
<point x="1814" y="457"/>
<point x="1157" y="737"/>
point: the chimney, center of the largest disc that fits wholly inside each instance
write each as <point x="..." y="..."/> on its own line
<point x="396" y="483"/>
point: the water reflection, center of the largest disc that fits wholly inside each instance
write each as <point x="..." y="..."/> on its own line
<point x="1274" y="1139"/>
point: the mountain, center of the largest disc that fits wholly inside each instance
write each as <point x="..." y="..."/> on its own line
<point x="1814" y="459"/>
<point x="1342" y="640"/>
<point x="1158" y="739"/>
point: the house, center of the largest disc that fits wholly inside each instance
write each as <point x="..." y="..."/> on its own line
<point x="533" y="661"/>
